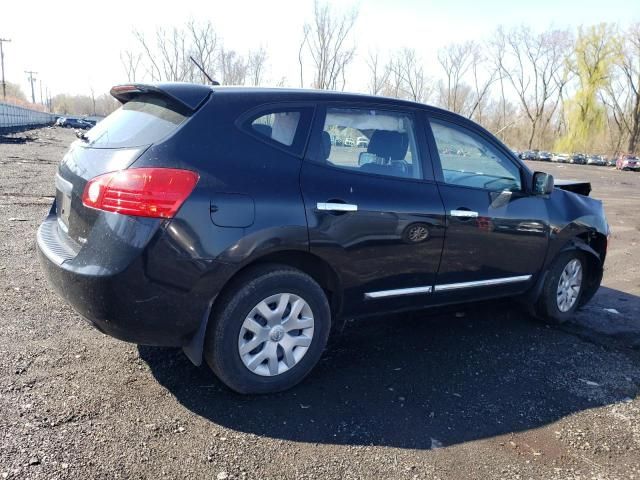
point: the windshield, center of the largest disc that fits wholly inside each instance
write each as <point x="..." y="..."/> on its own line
<point x="145" y="120"/>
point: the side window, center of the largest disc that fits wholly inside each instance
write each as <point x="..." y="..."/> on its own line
<point x="470" y="161"/>
<point x="370" y="141"/>
<point x="278" y="126"/>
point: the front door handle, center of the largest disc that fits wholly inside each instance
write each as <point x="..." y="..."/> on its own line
<point x="337" y="207"/>
<point x="464" y="213"/>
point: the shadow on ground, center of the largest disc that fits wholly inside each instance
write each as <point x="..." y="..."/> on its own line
<point x="408" y="381"/>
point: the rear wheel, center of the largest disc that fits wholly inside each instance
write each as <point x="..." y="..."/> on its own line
<point x="269" y="331"/>
<point x="563" y="287"/>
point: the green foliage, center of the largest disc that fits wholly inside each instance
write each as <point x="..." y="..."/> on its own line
<point x="597" y="50"/>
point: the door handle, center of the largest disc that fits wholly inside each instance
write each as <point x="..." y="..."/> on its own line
<point x="337" y="207"/>
<point x="464" y="213"/>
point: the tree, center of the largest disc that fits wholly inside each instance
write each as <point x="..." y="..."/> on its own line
<point x="532" y="64"/>
<point x="596" y="50"/>
<point x="378" y="74"/>
<point x="256" y="65"/>
<point x="165" y="57"/>
<point x="233" y="68"/>
<point x="325" y="40"/>
<point x="407" y="78"/>
<point x="130" y="61"/>
<point x="455" y="60"/>
<point x="622" y="94"/>
<point x="14" y="92"/>
<point x="468" y="78"/>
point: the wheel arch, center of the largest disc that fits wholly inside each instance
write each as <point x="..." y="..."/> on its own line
<point x="311" y="264"/>
<point x="593" y="245"/>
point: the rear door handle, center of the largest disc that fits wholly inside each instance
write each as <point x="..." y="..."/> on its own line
<point x="337" y="207"/>
<point x="464" y="213"/>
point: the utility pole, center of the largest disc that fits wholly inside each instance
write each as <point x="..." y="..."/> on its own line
<point x="4" y="85"/>
<point x="31" y="81"/>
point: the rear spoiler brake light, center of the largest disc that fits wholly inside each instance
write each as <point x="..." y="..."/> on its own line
<point x="186" y="95"/>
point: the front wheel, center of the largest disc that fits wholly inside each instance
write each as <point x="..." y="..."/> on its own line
<point x="563" y="287"/>
<point x="269" y="330"/>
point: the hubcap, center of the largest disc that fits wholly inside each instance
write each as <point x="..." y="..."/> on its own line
<point x="569" y="285"/>
<point x="276" y="334"/>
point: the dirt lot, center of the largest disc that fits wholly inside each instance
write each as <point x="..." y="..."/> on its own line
<point x="486" y="393"/>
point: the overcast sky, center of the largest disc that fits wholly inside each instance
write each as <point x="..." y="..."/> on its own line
<point x="76" y="44"/>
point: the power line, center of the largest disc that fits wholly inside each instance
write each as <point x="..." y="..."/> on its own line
<point x="31" y="80"/>
<point x="4" y="85"/>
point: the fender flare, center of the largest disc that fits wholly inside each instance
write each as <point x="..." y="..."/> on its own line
<point x="574" y="243"/>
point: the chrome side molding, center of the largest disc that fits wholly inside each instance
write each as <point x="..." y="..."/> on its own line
<point x="445" y="287"/>
<point x="481" y="283"/>
<point x="398" y="292"/>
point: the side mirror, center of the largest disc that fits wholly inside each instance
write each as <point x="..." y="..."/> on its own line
<point x="542" y="183"/>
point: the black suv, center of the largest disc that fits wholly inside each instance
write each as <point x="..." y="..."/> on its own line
<point x="225" y="221"/>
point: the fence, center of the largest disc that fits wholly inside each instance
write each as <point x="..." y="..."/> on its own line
<point x="16" y="119"/>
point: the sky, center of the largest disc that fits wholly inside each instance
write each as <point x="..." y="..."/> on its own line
<point x="75" y="45"/>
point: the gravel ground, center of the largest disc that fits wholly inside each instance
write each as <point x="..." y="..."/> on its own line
<point x="482" y="393"/>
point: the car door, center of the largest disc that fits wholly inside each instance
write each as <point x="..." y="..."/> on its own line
<point x="374" y="212"/>
<point x="497" y="232"/>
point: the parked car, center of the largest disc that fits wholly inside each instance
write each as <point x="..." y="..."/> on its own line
<point x="578" y="158"/>
<point x="349" y="142"/>
<point x="560" y="158"/>
<point x="180" y="221"/>
<point x="628" y="162"/>
<point x="362" y="142"/>
<point x="75" y="123"/>
<point x="544" y="156"/>
<point x="596" y="160"/>
<point x="529" y="155"/>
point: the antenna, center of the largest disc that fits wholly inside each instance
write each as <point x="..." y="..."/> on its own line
<point x="213" y="82"/>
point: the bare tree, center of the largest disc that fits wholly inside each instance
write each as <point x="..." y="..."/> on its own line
<point x="484" y="76"/>
<point x="165" y="56"/>
<point x="406" y="77"/>
<point x="325" y="40"/>
<point x="256" y="64"/>
<point x="456" y="60"/>
<point x="378" y="74"/>
<point x="622" y="94"/>
<point x="130" y="62"/>
<point x="233" y="68"/>
<point x="204" y="47"/>
<point x="531" y="67"/>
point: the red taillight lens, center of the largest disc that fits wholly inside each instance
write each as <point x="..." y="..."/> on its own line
<point x="142" y="192"/>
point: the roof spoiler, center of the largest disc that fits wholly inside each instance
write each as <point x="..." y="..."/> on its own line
<point x="186" y="95"/>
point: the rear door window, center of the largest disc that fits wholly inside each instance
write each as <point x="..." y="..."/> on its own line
<point x="143" y="121"/>
<point x="371" y="141"/>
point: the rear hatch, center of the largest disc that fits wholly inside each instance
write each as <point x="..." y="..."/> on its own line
<point x="149" y="115"/>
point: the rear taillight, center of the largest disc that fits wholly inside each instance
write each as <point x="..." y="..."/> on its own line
<point x="142" y="192"/>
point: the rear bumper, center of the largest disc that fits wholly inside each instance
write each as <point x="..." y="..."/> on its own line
<point x="123" y="301"/>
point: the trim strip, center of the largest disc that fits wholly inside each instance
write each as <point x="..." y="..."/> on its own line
<point x="398" y="292"/>
<point x="481" y="283"/>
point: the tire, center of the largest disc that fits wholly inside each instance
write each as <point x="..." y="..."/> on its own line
<point x="297" y="350"/>
<point x="554" y="307"/>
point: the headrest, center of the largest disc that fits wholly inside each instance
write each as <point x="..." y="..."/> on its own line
<point x="389" y="144"/>
<point x="325" y="148"/>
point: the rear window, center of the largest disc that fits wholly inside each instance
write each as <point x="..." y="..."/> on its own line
<point x="145" y="120"/>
